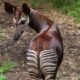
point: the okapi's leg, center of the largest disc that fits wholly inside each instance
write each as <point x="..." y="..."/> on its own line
<point x="48" y="62"/>
<point x="32" y="64"/>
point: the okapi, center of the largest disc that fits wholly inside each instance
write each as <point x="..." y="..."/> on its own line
<point x="45" y="50"/>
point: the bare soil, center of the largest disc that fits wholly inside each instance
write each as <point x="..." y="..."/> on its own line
<point x="70" y="68"/>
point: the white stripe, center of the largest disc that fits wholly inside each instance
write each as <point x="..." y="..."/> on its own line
<point x="31" y="55"/>
<point x="32" y="59"/>
<point x="48" y="64"/>
<point x="31" y="64"/>
<point x="47" y="51"/>
<point x="48" y="57"/>
<point x="49" y="70"/>
<point x="33" y="70"/>
<point x="29" y="50"/>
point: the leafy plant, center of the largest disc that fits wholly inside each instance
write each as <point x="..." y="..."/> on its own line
<point x="5" y="67"/>
<point x="2" y="77"/>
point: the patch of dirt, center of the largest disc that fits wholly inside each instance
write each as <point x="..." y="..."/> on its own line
<point x="70" y="68"/>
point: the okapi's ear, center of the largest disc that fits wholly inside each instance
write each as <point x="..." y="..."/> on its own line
<point x="9" y="8"/>
<point x="25" y="8"/>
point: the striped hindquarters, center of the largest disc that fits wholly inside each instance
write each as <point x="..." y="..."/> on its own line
<point x="48" y="64"/>
<point x="32" y="64"/>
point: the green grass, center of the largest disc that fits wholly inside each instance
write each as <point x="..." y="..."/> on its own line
<point x="6" y="67"/>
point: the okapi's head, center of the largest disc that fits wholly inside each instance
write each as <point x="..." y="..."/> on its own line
<point x="20" y="15"/>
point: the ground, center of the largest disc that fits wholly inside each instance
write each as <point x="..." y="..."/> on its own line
<point x="70" y="31"/>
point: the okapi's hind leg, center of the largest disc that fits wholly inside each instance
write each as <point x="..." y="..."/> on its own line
<point x="48" y="62"/>
<point x="32" y="64"/>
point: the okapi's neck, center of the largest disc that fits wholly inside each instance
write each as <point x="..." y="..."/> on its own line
<point x="37" y="21"/>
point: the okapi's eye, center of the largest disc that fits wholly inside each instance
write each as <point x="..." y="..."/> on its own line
<point x="23" y="22"/>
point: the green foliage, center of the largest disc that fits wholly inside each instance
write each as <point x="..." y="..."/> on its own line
<point x="36" y="3"/>
<point x="57" y="3"/>
<point x="75" y="11"/>
<point x="6" y="66"/>
<point x="70" y="7"/>
<point x="2" y="77"/>
<point x="1" y="35"/>
<point x="54" y="3"/>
